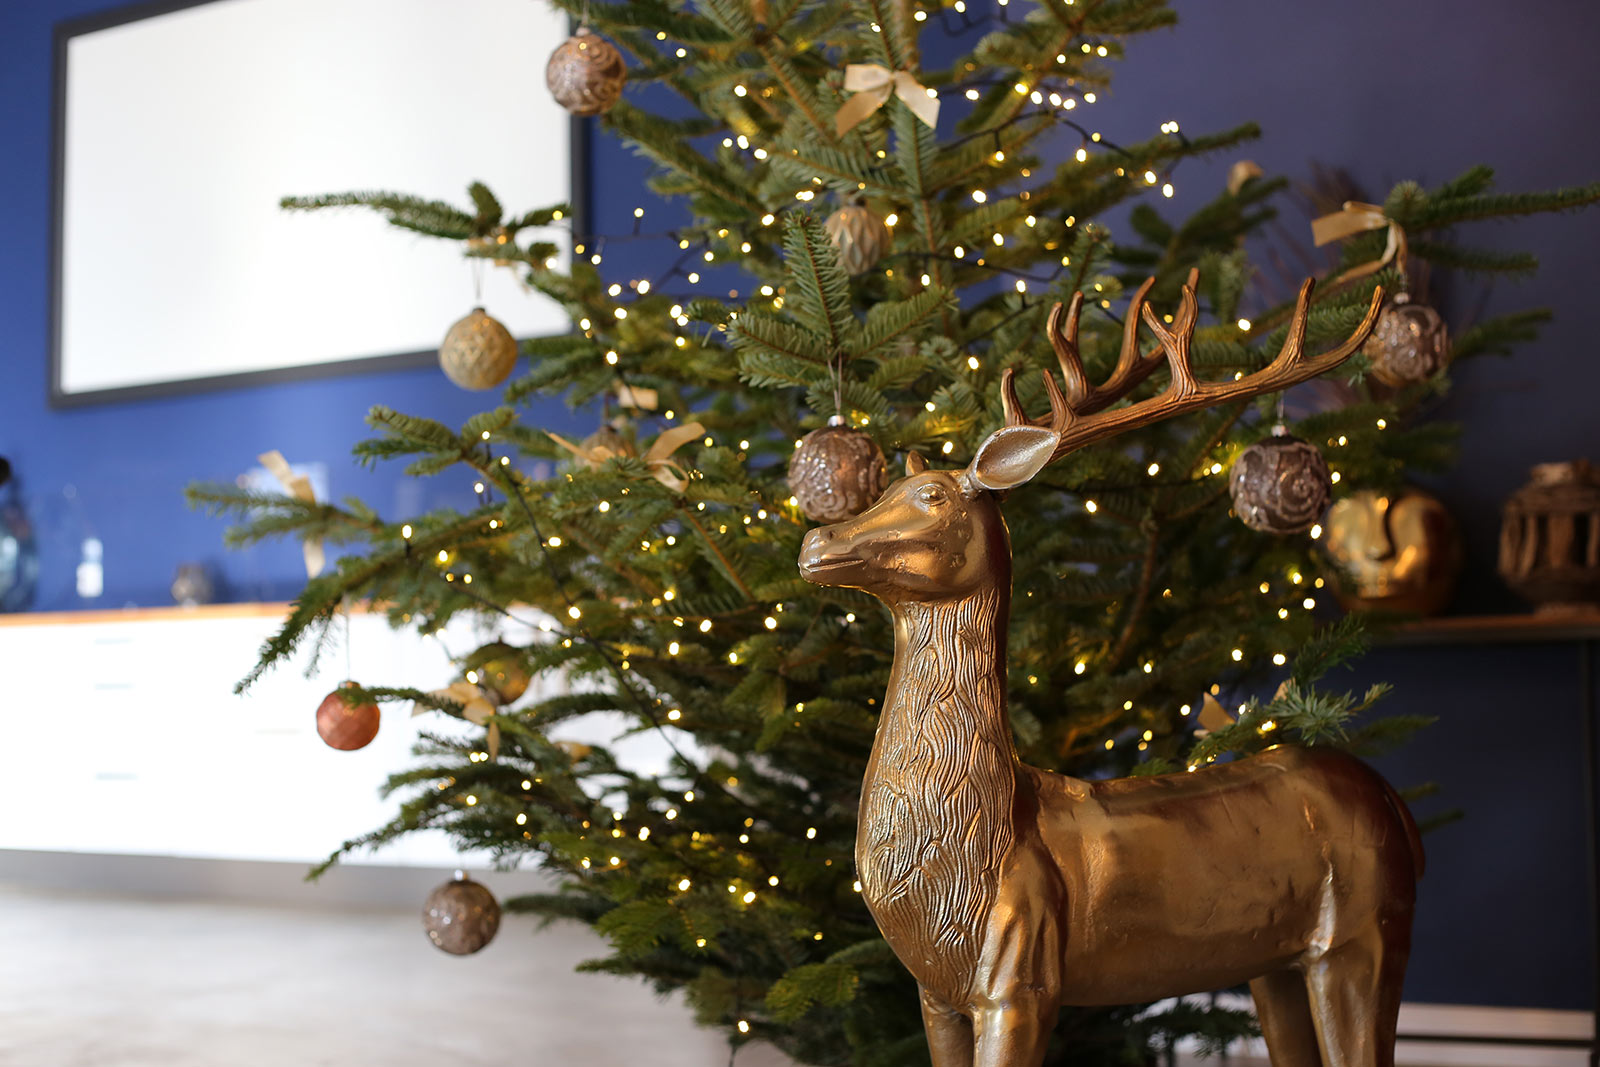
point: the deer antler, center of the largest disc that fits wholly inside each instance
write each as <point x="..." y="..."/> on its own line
<point x="1078" y="416"/>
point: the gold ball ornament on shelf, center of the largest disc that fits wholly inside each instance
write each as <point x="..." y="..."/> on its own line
<point x="1409" y="344"/>
<point x="1550" y="539"/>
<point x="586" y="74"/>
<point x="1395" y="552"/>
<point x="461" y="916"/>
<point x="1280" y="485"/>
<point x="478" y="352"/>
<point x="345" y="725"/>
<point x="837" y="472"/>
<point x="859" y="234"/>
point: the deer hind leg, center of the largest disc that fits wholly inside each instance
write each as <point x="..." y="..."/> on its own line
<point x="1355" y="1000"/>
<point x="1014" y="1032"/>
<point x="1285" y="1015"/>
<point x="949" y="1032"/>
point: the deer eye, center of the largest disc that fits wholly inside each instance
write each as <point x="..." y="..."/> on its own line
<point x="930" y="494"/>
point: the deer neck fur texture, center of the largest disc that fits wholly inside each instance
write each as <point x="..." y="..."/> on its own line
<point x="936" y="803"/>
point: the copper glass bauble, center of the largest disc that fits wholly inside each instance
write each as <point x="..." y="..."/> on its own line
<point x="1398" y="552"/>
<point x="1280" y="485"/>
<point x="1409" y="344"/>
<point x="1550" y="538"/>
<point x="344" y="725"/>
<point x="585" y="74"/>
<point x="859" y="234"/>
<point x="461" y="916"/>
<point x="837" y="472"/>
<point x="478" y="352"/>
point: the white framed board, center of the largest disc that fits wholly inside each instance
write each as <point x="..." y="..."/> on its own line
<point x="179" y="127"/>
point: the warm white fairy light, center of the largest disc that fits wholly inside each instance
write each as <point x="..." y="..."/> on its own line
<point x="1090" y="506"/>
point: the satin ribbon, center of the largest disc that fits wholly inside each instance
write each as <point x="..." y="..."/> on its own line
<point x="1242" y="171"/>
<point x="637" y="396"/>
<point x="1356" y="217"/>
<point x="873" y="86"/>
<point x="658" y="458"/>
<point x="1213" y="716"/>
<point x="299" y="487"/>
<point x="477" y="707"/>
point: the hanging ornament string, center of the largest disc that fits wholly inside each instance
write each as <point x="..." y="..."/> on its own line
<point x="1356" y="217"/>
<point x="873" y="86"/>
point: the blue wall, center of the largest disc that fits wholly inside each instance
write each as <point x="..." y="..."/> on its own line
<point x="1386" y="90"/>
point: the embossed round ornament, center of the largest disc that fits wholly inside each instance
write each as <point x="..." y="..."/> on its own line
<point x="461" y="916"/>
<point x="478" y="352"/>
<point x="836" y="473"/>
<point x="1280" y="485"/>
<point x="1409" y="344"/>
<point x="344" y="725"/>
<point x="586" y="73"/>
<point x="859" y="234"/>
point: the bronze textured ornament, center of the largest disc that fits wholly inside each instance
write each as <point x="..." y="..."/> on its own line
<point x="586" y="73"/>
<point x="461" y="916"/>
<point x="1409" y="344"/>
<point x="1280" y="485"/>
<point x="1009" y="891"/>
<point x="836" y="472"/>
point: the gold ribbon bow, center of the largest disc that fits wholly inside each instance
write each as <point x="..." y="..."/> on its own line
<point x="873" y="86"/>
<point x="1356" y="217"/>
<point x="477" y="707"/>
<point x="299" y="487"/>
<point x="658" y="458"/>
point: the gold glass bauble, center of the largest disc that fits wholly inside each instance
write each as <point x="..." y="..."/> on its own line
<point x="461" y="916"/>
<point x="478" y="352"/>
<point x="1397" y="552"/>
<point x="505" y="675"/>
<point x="1280" y="485"/>
<point x="586" y="73"/>
<point x="1409" y="344"/>
<point x="836" y="473"/>
<point x="605" y="443"/>
<point x="1550" y="538"/>
<point x="859" y="234"/>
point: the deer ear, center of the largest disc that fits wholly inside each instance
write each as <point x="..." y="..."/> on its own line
<point x="915" y="464"/>
<point x="1012" y="455"/>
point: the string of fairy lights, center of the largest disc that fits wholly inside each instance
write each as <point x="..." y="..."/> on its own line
<point x="1057" y="102"/>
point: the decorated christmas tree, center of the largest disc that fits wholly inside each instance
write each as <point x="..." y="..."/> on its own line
<point x="908" y="230"/>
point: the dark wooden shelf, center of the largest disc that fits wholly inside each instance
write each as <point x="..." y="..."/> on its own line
<point x="1498" y="629"/>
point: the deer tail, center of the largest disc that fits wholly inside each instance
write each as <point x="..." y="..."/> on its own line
<point x="1413" y="836"/>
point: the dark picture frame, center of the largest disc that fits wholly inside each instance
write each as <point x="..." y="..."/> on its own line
<point x="579" y="134"/>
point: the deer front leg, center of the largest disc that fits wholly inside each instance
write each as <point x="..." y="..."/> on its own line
<point x="949" y="1032"/>
<point x="1014" y="1032"/>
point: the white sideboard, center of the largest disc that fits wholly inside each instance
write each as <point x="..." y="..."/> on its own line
<point x="120" y="733"/>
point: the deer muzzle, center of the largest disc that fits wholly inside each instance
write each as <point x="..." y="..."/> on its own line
<point x="826" y="558"/>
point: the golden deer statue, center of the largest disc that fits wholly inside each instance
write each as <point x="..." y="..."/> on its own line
<point x="1010" y="891"/>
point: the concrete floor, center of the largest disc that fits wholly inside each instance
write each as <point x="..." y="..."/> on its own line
<point x="101" y="981"/>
